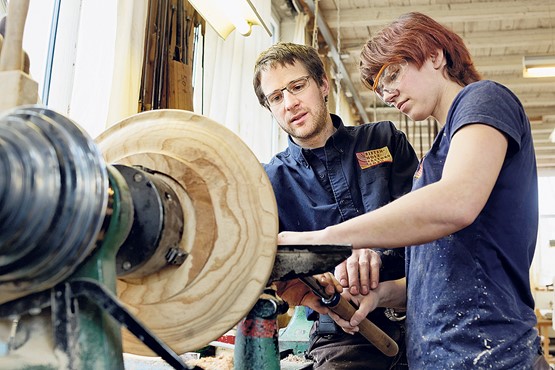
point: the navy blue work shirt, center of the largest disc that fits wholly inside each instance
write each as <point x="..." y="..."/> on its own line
<point x="359" y="169"/>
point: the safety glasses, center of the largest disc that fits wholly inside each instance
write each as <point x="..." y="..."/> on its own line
<point x="388" y="79"/>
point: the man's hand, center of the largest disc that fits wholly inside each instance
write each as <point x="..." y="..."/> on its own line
<point x="365" y="303"/>
<point x="360" y="272"/>
<point x="296" y="293"/>
<point x="391" y="293"/>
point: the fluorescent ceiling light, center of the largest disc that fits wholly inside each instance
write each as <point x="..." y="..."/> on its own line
<point x="226" y="15"/>
<point x="538" y="66"/>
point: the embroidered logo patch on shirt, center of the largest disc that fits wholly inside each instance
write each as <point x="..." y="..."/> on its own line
<point x="374" y="157"/>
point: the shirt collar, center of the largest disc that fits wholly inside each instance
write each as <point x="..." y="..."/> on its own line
<point x="338" y="140"/>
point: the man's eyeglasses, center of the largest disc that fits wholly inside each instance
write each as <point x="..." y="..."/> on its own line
<point x="388" y="79"/>
<point x="294" y="87"/>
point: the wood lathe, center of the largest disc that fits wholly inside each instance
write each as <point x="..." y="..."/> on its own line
<point x="165" y="226"/>
<point x="183" y="214"/>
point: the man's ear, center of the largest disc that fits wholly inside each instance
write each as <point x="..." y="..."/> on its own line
<point x="325" y="87"/>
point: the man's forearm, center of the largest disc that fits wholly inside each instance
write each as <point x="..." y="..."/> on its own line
<point x="392" y="294"/>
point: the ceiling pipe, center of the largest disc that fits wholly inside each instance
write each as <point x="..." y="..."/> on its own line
<point x="323" y="27"/>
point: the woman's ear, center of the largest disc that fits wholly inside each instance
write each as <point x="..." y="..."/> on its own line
<point x="438" y="59"/>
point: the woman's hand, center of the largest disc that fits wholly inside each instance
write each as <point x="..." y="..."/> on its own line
<point x="296" y="237"/>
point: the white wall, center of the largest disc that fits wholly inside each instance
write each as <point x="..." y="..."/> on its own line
<point x="543" y="267"/>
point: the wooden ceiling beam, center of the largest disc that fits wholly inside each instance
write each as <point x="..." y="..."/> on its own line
<point x="447" y="13"/>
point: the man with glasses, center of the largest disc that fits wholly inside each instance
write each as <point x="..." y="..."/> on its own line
<point x="330" y="173"/>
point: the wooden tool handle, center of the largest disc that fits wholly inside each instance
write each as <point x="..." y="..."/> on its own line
<point x="12" y="49"/>
<point x="368" y="329"/>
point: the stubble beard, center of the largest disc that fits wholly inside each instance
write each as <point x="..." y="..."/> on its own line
<point x="315" y="128"/>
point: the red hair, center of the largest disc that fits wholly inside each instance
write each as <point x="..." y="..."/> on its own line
<point x="415" y="37"/>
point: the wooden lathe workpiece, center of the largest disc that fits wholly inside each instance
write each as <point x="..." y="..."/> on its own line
<point x="230" y="231"/>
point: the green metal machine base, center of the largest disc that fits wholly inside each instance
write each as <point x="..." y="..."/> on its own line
<point x="295" y="336"/>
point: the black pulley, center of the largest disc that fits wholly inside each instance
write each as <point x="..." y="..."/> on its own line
<point x="53" y="199"/>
